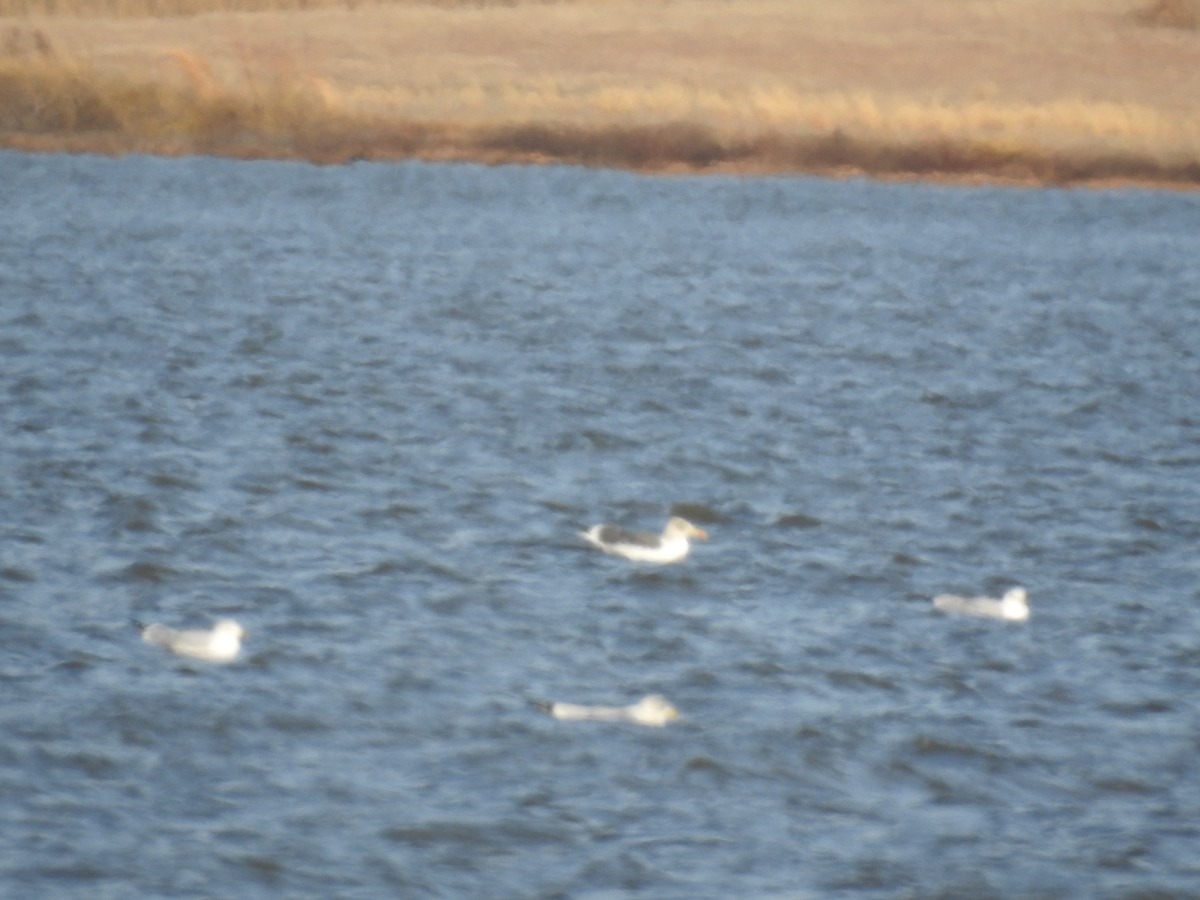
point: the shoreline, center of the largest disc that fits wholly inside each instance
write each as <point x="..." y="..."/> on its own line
<point x="677" y="149"/>
<point x="1068" y="93"/>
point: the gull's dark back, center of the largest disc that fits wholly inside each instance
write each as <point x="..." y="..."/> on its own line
<point x="615" y="534"/>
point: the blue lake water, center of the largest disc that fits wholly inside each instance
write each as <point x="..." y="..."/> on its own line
<point x="365" y="411"/>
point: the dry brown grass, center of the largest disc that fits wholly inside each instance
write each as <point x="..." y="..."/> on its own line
<point x="1170" y="13"/>
<point x="49" y="105"/>
<point x="49" y="95"/>
<point x="175" y="8"/>
<point x="1063" y="92"/>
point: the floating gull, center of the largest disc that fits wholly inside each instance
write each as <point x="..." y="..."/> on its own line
<point x="653" y="710"/>
<point x="641" y="546"/>
<point x="221" y="644"/>
<point x="1014" y="605"/>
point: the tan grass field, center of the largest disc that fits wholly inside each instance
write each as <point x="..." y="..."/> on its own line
<point x="1023" y="91"/>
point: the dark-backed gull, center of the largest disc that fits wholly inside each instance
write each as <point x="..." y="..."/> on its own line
<point x="642" y="546"/>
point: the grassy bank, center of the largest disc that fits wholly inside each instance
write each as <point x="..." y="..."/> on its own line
<point x="1059" y="92"/>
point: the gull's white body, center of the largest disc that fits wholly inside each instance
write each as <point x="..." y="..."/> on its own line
<point x="642" y="546"/>
<point x="221" y="643"/>
<point x="1013" y="606"/>
<point x="653" y="710"/>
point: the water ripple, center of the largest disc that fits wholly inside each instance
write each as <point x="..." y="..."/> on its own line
<point x="359" y="410"/>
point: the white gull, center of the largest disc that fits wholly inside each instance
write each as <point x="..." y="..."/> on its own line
<point x="652" y="710"/>
<point x="1013" y="606"/>
<point x="221" y="643"/>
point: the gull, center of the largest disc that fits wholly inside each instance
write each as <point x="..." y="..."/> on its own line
<point x="1013" y="606"/>
<point x="643" y="546"/>
<point x="652" y="710"/>
<point x="220" y="644"/>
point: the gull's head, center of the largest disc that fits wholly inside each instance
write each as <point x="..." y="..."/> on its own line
<point x="229" y="629"/>
<point x="1015" y="603"/>
<point x="653" y="710"/>
<point x="683" y="527"/>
